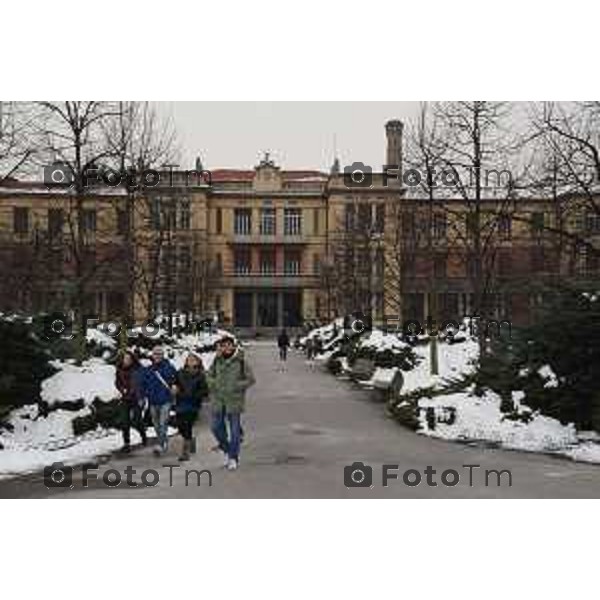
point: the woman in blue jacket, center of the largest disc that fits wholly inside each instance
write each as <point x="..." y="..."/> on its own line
<point x="159" y="388"/>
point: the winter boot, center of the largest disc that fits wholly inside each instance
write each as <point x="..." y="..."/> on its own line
<point x="185" y="454"/>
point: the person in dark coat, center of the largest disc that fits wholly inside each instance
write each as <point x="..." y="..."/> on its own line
<point x="283" y="342"/>
<point x="192" y="389"/>
<point x="128" y="381"/>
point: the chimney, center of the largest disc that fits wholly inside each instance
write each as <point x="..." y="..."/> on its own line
<point x="393" y="130"/>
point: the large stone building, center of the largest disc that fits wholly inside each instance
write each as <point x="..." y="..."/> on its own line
<point x="270" y="247"/>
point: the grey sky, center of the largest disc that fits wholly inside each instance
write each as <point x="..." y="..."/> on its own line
<point x="298" y="134"/>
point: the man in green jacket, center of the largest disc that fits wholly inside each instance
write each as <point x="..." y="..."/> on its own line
<point x="228" y="379"/>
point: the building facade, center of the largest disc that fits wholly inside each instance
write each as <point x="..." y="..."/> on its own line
<point x="268" y="248"/>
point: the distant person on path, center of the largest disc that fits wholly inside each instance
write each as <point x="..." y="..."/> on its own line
<point x="283" y="342"/>
<point x="191" y="392"/>
<point x="128" y="381"/>
<point x="159" y="388"/>
<point x="228" y="379"/>
<point x="310" y="351"/>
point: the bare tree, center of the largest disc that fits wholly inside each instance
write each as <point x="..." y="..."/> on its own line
<point x="17" y="142"/>
<point x="464" y="158"/>
<point x="566" y="137"/>
<point x="140" y="140"/>
<point x="71" y="135"/>
<point x="356" y="250"/>
<point x="411" y="217"/>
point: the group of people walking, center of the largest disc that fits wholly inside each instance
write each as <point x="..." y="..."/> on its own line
<point x="160" y="387"/>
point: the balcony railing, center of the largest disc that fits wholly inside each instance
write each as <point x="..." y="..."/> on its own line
<point x="255" y="238"/>
<point x="274" y="280"/>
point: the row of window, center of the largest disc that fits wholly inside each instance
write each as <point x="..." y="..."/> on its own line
<point x="172" y="258"/>
<point x="537" y="221"/>
<point x="584" y="262"/>
<point x="242" y="221"/>
<point x="176" y="215"/>
<point x="170" y="216"/>
<point x="267" y="264"/>
<point x="162" y="216"/>
<point x="365" y="217"/>
<point x="450" y="305"/>
<point x="56" y="221"/>
<point x="175" y="259"/>
<point x="364" y="262"/>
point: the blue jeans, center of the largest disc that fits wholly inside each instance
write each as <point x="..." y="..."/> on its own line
<point x="160" y="420"/>
<point x="229" y="444"/>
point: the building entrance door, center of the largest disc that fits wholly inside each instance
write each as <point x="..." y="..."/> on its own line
<point x="243" y="309"/>
<point x="267" y="309"/>
<point x="292" y="309"/>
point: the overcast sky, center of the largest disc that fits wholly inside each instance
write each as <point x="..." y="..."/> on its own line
<point x="298" y="134"/>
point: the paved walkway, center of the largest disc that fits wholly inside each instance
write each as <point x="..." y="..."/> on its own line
<point x="303" y="427"/>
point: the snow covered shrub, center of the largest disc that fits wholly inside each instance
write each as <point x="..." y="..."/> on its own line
<point x="405" y="413"/>
<point x="385" y="350"/>
<point x="554" y="362"/>
<point x="386" y="359"/>
<point x="334" y="363"/>
<point x="108" y="415"/>
<point x="563" y="354"/>
<point x="25" y="363"/>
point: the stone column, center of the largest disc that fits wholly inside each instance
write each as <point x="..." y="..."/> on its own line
<point x="279" y="310"/>
<point x="254" y="310"/>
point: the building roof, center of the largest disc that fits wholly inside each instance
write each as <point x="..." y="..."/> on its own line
<point x="227" y="175"/>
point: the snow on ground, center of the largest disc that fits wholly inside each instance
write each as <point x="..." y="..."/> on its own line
<point x="454" y="360"/>
<point x="36" y="441"/>
<point x="464" y="416"/>
<point x="584" y="452"/>
<point x="17" y="462"/>
<point x="93" y="379"/>
<point x="382" y="341"/>
<point x="381" y="378"/>
<point x="480" y="418"/>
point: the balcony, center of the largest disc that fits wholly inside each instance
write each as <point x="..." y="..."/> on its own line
<point x="254" y="239"/>
<point x="275" y="280"/>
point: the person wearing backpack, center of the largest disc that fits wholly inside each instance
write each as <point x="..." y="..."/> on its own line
<point x="191" y="391"/>
<point x="159" y="388"/>
<point x="228" y="379"/>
